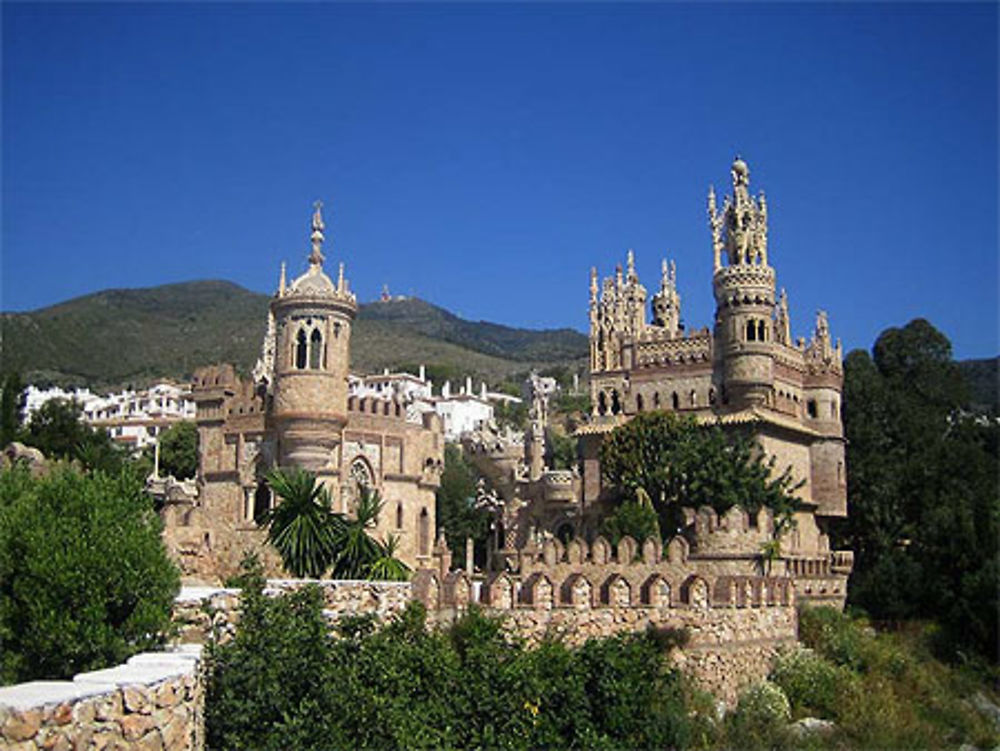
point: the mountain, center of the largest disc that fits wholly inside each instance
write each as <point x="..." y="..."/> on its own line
<point x="118" y="337"/>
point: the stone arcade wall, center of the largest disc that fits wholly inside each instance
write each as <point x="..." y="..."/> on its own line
<point x="154" y="701"/>
<point x="736" y="623"/>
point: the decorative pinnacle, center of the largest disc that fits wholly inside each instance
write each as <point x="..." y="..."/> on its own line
<point x="316" y="257"/>
<point x="281" y="281"/>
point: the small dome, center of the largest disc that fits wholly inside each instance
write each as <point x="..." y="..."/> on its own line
<point x="313" y="282"/>
<point x="740" y="167"/>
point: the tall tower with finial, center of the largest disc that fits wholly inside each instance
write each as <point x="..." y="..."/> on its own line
<point x="744" y="289"/>
<point x="312" y="318"/>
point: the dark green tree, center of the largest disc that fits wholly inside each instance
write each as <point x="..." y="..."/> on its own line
<point x="179" y="450"/>
<point x="922" y="486"/>
<point x="456" y="513"/>
<point x="682" y="464"/>
<point x="562" y="450"/>
<point x="84" y="578"/>
<point x="57" y="430"/>
<point x="11" y="408"/>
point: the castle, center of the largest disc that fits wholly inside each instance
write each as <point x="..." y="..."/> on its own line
<point x="296" y="411"/>
<point x="746" y="369"/>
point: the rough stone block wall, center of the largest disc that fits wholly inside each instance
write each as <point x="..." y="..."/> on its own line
<point x="200" y="612"/>
<point x="153" y="701"/>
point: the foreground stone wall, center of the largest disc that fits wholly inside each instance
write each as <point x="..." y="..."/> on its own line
<point x="153" y="701"/>
<point x="200" y="612"/>
<point x="736" y="623"/>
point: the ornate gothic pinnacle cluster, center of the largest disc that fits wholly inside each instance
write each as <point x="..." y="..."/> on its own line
<point x="740" y="228"/>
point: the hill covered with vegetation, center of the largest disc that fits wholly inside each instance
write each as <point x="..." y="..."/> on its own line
<point x="117" y="337"/>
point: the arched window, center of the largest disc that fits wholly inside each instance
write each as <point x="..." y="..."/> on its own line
<point x="751" y="331"/>
<point x="616" y="405"/>
<point x="656" y="400"/>
<point x="811" y="408"/>
<point x="424" y="532"/>
<point x="316" y="350"/>
<point x="399" y="515"/>
<point x="301" y="350"/>
<point x="693" y="398"/>
<point x="359" y="477"/>
<point x="602" y="404"/>
<point x="638" y="403"/>
<point x="674" y="401"/>
<point x="761" y="331"/>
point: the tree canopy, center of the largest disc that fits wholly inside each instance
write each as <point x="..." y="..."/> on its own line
<point x="922" y="487"/>
<point x="682" y="464"/>
<point x="57" y="430"/>
<point x="84" y="578"/>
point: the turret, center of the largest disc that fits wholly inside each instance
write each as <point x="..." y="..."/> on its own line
<point x="744" y="291"/>
<point x="312" y="324"/>
<point x="667" y="302"/>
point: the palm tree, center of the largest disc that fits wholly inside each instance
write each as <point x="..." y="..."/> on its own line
<point x="387" y="567"/>
<point x="301" y="526"/>
<point x="357" y="550"/>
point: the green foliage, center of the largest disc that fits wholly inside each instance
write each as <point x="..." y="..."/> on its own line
<point x="405" y="686"/>
<point x="923" y="489"/>
<point x="456" y="515"/>
<point x="680" y="463"/>
<point x="312" y="539"/>
<point x="84" y="578"/>
<point x="179" y="450"/>
<point x="12" y="404"/>
<point x="58" y="431"/>
<point x="761" y="716"/>
<point x="511" y="414"/>
<point x="883" y="690"/>
<point x="565" y="403"/>
<point x="301" y="526"/>
<point x="562" y="450"/>
<point x="635" y="518"/>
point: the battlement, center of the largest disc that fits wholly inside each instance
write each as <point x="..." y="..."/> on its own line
<point x="387" y="408"/>
<point x="213" y="377"/>
<point x="734" y="533"/>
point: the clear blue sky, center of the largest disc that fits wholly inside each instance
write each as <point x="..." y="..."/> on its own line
<point x="484" y="157"/>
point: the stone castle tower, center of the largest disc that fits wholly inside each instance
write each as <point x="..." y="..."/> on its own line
<point x="745" y="370"/>
<point x="311" y="333"/>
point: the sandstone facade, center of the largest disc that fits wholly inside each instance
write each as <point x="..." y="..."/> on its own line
<point x="295" y="412"/>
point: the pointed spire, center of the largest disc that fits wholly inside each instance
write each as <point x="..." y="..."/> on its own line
<point x="340" y="278"/>
<point x="593" y="284"/>
<point x="316" y="257"/>
<point x="630" y="262"/>
<point x="281" y="281"/>
<point x="664" y="274"/>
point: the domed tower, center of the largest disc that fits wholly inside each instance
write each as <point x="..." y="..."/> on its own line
<point x="311" y="320"/>
<point x="744" y="293"/>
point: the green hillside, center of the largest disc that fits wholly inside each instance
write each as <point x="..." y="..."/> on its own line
<point x="117" y="337"/>
<point x="981" y="376"/>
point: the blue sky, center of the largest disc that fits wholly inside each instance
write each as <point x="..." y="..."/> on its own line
<point x="485" y="156"/>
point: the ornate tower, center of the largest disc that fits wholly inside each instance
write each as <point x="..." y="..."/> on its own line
<point x="744" y="292"/>
<point x="311" y="324"/>
<point x="667" y="302"/>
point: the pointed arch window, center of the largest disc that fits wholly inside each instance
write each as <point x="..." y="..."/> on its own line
<point x="301" y="350"/>
<point x="751" y="331"/>
<point x="761" y="331"/>
<point x="638" y="403"/>
<point x="316" y="350"/>
<point x="675" y="401"/>
<point x="424" y="532"/>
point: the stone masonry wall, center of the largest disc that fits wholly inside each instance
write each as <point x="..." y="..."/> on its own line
<point x="201" y="611"/>
<point x="153" y="701"/>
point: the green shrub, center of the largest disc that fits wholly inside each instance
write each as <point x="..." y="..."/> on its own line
<point x="282" y="683"/>
<point x="761" y="717"/>
<point x="84" y="577"/>
<point x="814" y="686"/>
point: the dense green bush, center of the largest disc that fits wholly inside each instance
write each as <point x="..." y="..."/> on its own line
<point x="761" y="716"/>
<point x="282" y="683"/>
<point x="813" y="685"/>
<point x="84" y="577"/>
